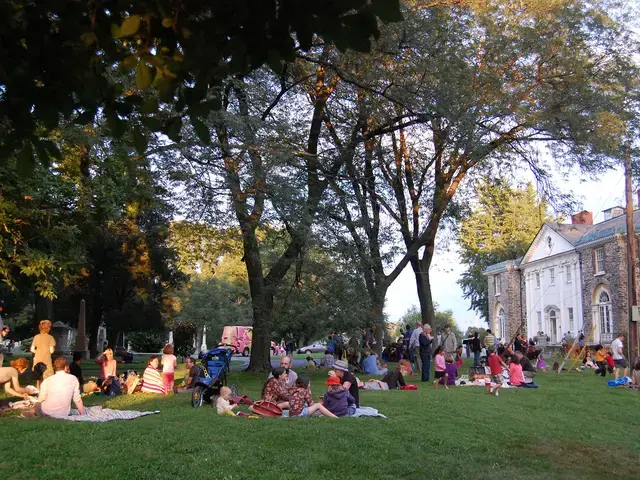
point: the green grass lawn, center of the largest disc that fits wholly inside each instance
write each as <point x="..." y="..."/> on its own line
<point x="572" y="427"/>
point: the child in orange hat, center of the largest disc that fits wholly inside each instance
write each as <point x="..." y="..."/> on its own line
<point x="337" y="399"/>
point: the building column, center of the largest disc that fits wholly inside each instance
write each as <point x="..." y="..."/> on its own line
<point x="563" y="310"/>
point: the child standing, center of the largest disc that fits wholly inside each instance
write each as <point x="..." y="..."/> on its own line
<point x="516" y="378"/>
<point x="301" y="403"/>
<point x="601" y="361"/>
<point x="496" y="365"/>
<point x="459" y="356"/>
<point x="450" y="373"/>
<point x="169" y="363"/>
<point x="440" y="365"/>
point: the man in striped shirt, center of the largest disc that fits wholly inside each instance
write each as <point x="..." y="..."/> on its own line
<point x="489" y="340"/>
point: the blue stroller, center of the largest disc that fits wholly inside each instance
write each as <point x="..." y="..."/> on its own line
<point x="216" y="363"/>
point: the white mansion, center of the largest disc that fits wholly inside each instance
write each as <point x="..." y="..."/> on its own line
<point x="573" y="277"/>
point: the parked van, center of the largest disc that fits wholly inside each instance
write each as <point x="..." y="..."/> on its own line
<point x="239" y="338"/>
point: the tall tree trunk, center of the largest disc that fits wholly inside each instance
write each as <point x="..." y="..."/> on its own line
<point x="423" y="284"/>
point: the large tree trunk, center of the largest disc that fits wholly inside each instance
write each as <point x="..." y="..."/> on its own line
<point x="262" y="303"/>
<point x="423" y="284"/>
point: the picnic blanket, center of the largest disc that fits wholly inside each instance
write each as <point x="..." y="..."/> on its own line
<point x="360" y="412"/>
<point x="100" y="415"/>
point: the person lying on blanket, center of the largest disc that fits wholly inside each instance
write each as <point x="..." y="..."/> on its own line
<point x="58" y="391"/>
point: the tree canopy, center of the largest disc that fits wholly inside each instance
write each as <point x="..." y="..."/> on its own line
<point x="502" y="224"/>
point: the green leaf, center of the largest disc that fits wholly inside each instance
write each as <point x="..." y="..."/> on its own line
<point x="26" y="161"/>
<point x="387" y="10"/>
<point x="150" y="105"/>
<point x="89" y="38"/>
<point x="129" y="63"/>
<point x="115" y="31"/>
<point x="202" y="131"/>
<point x="42" y="153"/>
<point x="140" y="140"/>
<point x="144" y="76"/>
<point x="130" y="25"/>
<point x="152" y="124"/>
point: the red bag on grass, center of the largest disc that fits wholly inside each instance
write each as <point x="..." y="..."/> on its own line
<point x="410" y="387"/>
<point x="266" y="409"/>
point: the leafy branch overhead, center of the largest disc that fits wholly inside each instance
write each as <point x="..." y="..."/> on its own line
<point x="58" y="58"/>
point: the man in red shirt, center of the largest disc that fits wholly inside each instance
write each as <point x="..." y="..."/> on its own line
<point x="496" y="365"/>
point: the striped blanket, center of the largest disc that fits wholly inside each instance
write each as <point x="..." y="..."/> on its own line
<point x="100" y="415"/>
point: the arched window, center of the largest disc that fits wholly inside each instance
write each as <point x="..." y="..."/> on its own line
<point x="502" y="324"/>
<point x="604" y="307"/>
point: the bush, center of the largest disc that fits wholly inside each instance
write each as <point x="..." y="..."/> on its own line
<point x="146" y="342"/>
<point x="183" y="335"/>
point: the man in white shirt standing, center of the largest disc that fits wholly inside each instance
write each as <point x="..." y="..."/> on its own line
<point x="618" y="356"/>
<point x="57" y="392"/>
<point x="414" y="346"/>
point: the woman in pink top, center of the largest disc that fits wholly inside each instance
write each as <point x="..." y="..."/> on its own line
<point x="515" y="372"/>
<point x="169" y="363"/>
<point x="441" y="365"/>
<point x="108" y="364"/>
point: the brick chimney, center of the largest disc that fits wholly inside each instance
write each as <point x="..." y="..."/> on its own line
<point x="582" y="218"/>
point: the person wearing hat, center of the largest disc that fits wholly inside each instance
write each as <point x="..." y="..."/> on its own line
<point x="337" y="399"/>
<point x="426" y="341"/>
<point x="43" y="346"/>
<point x="347" y="380"/>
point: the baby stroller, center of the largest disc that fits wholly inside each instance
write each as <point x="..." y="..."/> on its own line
<point x="216" y="363"/>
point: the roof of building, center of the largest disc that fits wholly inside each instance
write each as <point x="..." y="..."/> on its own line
<point x="503" y="265"/>
<point x="579" y="235"/>
<point x="608" y="228"/>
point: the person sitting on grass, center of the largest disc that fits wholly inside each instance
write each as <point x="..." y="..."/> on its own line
<point x="194" y="372"/>
<point x="587" y="361"/>
<point x="404" y="367"/>
<point x="327" y="361"/>
<point x="223" y="403"/>
<point x="108" y="365"/>
<point x="371" y="365"/>
<point x="496" y="365"/>
<point x="285" y="362"/>
<point x="151" y="378"/>
<point x="58" y="391"/>
<point x="440" y="364"/>
<point x="394" y="379"/>
<point x="337" y="399"/>
<point x="528" y="370"/>
<point x="516" y="378"/>
<point x="9" y="378"/>
<point x="301" y="402"/>
<point x="274" y="389"/>
<point x="75" y="368"/>
<point x="450" y="374"/>
<point x="311" y="365"/>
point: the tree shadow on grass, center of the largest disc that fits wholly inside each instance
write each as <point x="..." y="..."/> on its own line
<point x="582" y="460"/>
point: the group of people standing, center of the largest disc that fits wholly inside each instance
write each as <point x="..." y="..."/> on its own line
<point x="422" y="345"/>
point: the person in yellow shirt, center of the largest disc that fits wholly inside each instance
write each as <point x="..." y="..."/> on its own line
<point x="601" y="361"/>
